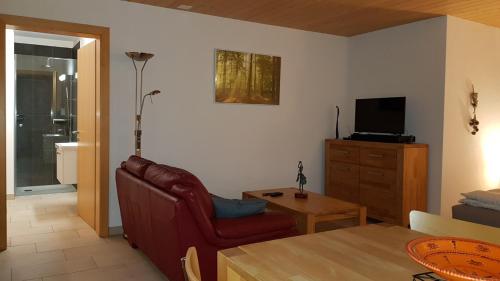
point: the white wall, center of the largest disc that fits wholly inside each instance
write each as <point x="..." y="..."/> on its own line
<point x="470" y="162"/>
<point x="232" y="148"/>
<point x="407" y="60"/>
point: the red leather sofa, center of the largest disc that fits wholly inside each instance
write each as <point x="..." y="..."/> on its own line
<point x="165" y="210"/>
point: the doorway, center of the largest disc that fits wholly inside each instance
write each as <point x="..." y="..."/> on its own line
<point x="97" y="145"/>
<point x="44" y="97"/>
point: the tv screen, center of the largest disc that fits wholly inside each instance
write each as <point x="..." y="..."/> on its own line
<point x="381" y="115"/>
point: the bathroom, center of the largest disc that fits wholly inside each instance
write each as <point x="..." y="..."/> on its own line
<point x="45" y="113"/>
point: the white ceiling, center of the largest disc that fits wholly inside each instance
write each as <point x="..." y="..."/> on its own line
<point x="45" y="39"/>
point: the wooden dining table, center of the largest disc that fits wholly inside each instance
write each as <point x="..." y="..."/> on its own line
<point x="364" y="253"/>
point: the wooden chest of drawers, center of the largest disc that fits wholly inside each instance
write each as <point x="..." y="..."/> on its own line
<point x="389" y="179"/>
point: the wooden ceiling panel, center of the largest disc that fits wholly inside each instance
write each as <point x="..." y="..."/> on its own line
<point x="339" y="17"/>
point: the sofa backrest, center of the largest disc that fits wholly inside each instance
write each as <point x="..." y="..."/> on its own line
<point x="165" y="177"/>
<point x="157" y="222"/>
<point x="136" y="165"/>
<point x="179" y="183"/>
<point x="196" y="200"/>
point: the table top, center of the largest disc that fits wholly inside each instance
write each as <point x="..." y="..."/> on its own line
<point x="362" y="253"/>
<point x="315" y="204"/>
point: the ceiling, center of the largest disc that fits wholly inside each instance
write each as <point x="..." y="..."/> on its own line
<point x="339" y="17"/>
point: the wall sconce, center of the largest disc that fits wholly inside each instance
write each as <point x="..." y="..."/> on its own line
<point x="474" y="101"/>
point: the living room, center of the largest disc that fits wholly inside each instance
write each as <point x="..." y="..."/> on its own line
<point x="436" y="63"/>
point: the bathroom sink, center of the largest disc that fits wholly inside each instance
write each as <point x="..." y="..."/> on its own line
<point x="66" y="144"/>
<point x="53" y="135"/>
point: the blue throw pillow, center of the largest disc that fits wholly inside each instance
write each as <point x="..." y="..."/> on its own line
<point x="234" y="208"/>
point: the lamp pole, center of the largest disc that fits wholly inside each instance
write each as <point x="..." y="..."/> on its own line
<point x="139" y="98"/>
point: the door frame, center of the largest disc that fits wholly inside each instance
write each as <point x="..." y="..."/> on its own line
<point x="102" y="36"/>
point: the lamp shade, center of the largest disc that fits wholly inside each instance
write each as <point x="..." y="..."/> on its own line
<point x="139" y="56"/>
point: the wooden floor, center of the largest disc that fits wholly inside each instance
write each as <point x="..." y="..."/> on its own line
<point x="49" y="242"/>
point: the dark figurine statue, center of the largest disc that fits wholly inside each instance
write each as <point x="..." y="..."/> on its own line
<point x="301" y="179"/>
<point x="337" y="124"/>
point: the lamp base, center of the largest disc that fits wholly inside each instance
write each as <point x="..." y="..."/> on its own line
<point x="301" y="195"/>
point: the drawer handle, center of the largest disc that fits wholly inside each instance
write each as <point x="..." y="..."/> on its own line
<point x="373" y="155"/>
<point x="375" y="173"/>
<point x="343" y="151"/>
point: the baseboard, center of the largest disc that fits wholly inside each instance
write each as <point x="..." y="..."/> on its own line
<point x="11" y="196"/>
<point x="116" y="230"/>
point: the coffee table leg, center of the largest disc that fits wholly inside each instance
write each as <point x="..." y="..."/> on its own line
<point x="311" y="224"/>
<point x="362" y="215"/>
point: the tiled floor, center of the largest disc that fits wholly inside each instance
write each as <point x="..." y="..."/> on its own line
<point x="49" y="242"/>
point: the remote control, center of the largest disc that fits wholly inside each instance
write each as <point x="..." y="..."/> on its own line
<point x="273" y="194"/>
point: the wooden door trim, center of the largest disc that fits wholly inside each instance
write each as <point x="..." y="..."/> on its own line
<point x="3" y="150"/>
<point x="102" y="35"/>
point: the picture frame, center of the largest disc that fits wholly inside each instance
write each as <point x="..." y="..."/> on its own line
<point x="248" y="78"/>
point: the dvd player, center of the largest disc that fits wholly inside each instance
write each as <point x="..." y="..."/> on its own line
<point x="382" y="138"/>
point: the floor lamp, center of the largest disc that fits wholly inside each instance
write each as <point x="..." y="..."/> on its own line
<point x="138" y="57"/>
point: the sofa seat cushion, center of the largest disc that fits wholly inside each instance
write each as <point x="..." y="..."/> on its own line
<point x="268" y="222"/>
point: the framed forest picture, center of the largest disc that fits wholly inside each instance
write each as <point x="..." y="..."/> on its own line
<point x="247" y="78"/>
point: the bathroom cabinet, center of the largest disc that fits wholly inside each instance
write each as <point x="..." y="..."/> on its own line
<point x="66" y="162"/>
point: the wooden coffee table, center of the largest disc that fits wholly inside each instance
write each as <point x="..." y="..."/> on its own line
<point x="316" y="208"/>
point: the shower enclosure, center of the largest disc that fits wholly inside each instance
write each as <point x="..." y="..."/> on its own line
<point x="45" y="115"/>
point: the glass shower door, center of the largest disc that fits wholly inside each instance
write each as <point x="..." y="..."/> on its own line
<point x="34" y="160"/>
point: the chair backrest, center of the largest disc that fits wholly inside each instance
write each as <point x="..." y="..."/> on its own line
<point x="440" y="226"/>
<point x="191" y="266"/>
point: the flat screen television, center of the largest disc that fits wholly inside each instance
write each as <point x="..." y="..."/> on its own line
<point x="380" y="115"/>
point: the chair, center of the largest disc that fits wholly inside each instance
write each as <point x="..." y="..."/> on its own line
<point x="440" y="226"/>
<point x="191" y="266"/>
